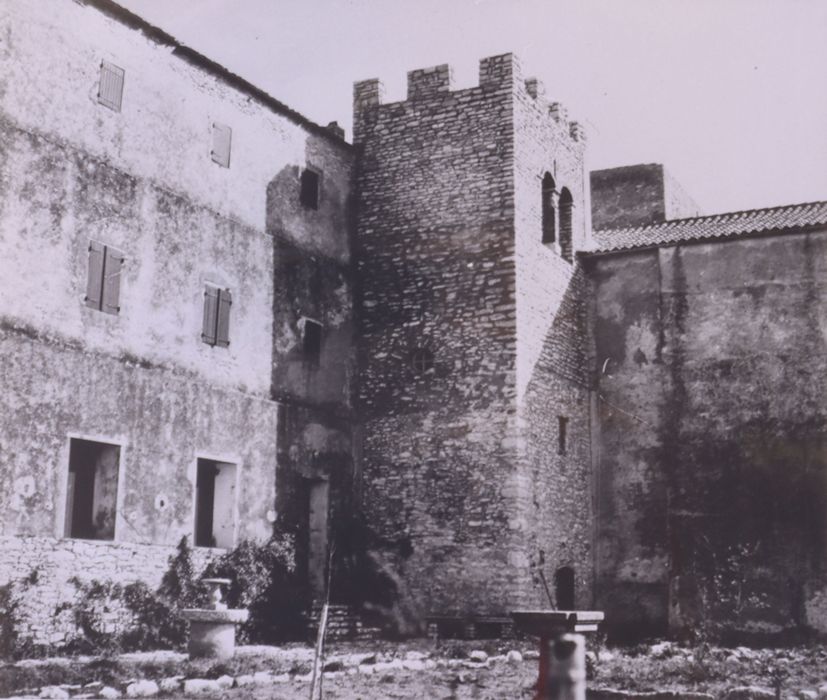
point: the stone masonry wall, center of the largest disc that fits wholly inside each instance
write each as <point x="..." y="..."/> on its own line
<point x="552" y="377"/>
<point x="435" y="263"/>
<point x="637" y="195"/>
<point x="712" y="435"/>
<point x="141" y="179"/>
<point x="40" y="570"/>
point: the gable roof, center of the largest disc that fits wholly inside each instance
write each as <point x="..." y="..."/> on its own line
<point x="717" y="226"/>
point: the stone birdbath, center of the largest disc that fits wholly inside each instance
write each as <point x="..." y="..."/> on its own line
<point x="554" y="627"/>
<point x="212" y="630"/>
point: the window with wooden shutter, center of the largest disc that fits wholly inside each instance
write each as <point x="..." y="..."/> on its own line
<point x="222" y="331"/>
<point x="113" y="262"/>
<point x="110" y="87"/>
<point x="103" y="282"/>
<point x="221" y="138"/>
<point x="216" y="322"/>
<point x="94" y="279"/>
<point x="210" y="315"/>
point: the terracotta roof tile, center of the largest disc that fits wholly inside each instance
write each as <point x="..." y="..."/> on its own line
<point x="733" y="224"/>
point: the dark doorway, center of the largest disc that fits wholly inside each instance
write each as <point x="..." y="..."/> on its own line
<point x="564" y="588"/>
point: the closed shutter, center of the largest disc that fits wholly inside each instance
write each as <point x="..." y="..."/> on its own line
<point x="112" y="280"/>
<point x="94" y="280"/>
<point x="210" y="315"/>
<point x="225" y="301"/>
<point x="221" y="138"/>
<point x="110" y="87"/>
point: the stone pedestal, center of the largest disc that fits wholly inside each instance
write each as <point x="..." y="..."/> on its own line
<point x="562" y="654"/>
<point x="212" y="632"/>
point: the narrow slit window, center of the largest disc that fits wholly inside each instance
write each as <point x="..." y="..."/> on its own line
<point x="549" y="209"/>
<point x="92" y="490"/>
<point x="566" y="214"/>
<point x="222" y="137"/>
<point x="103" y="280"/>
<point x="309" y="191"/>
<point x="110" y="86"/>
<point x="215" y="504"/>
<point x="215" y="327"/>
<point x="562" y="434"/>
<point x="311" y="341"/>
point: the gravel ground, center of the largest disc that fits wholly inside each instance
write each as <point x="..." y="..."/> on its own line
<point x="417" y="669"/>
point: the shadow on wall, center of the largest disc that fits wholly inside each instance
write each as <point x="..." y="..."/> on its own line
<point x="557" y="410"/>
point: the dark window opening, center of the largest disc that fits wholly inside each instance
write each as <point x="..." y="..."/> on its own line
<point x="221" y="141"/>
<point x="562" y="434"/>
<point x="92" y="490"/>
<point x="215" y="504"/>
<point x="549" y="209"/>
<point x="566" y="207"/>
<point x="311" y="341"/>
<point x="215" y="328"/>
<point x="309" y="193"/>
<point x="564" y="588"/>
<point x="103" y="281"/>
<point x="422" y="359"/>
<point x="110" y="86"/>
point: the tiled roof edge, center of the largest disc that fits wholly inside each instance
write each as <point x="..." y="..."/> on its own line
<point x="185" y="53"/>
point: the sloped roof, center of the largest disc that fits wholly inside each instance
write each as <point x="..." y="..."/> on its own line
<point x="730" y="225"/>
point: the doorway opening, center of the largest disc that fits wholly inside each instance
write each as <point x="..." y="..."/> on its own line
<point x="215" y="504"/>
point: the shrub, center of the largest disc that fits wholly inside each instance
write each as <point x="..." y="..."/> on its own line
<point x="8" y="620"/>
<point x="263" y="581"/>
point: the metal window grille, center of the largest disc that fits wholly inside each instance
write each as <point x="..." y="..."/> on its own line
<point x="110" y="87"/>
<point x="422" y="360"/>
<point x="221" y="139"/>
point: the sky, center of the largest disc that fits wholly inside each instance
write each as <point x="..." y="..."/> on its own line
<point x="730" y="95"/>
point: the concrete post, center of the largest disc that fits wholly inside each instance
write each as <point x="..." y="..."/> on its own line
<point x="566" y="678"/>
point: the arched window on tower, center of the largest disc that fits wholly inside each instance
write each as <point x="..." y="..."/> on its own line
<point x="566" y="206"/>
<point x="549" y="209"/>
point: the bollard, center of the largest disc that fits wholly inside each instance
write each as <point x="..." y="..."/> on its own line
<point x="566" y="674"/>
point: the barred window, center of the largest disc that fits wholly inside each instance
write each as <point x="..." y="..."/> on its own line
<point x="422" y="359"/>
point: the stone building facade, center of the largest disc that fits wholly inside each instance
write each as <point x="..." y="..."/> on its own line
<point x="152" y="205"/>
<point x="531" y="380"/>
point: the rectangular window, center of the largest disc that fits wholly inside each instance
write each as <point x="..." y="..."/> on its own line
<point x="221" y="139"/>
<point x="92" y="490"/>
<point x="103" y="281"/>
<point x="309" y="193"/>
<point x="110" y="87"/>
<point x="215" y="504"/>
<point x="562" y="437"/>
<point x="311" y="341"/>
<point x="215" y="329"/>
